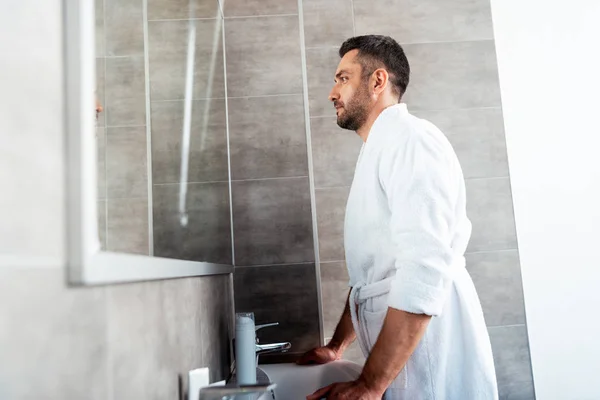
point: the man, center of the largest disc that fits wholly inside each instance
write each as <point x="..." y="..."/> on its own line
<point x="412" y="306"/>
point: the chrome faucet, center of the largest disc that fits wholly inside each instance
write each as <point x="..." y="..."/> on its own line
<point x="271" y="347"/>
<point x="261" y="349"/>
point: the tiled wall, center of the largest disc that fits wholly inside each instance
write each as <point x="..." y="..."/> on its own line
<point x="207" y="235"/>
<point x="126" y="148"/>
<point x="272" y="216"/>
<point x="454" y="84"/>
<point x="122" y="140"/>
<point x="57" y="342"/>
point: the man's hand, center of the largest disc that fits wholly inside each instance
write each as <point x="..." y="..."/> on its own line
<point x="355" y="390"/>
<point x="319" y="355"/>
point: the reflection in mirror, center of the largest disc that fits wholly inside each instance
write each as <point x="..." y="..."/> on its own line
<point x="163" y="167"/>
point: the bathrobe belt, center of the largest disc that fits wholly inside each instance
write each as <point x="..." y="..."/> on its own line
<point x="359" y="294"/>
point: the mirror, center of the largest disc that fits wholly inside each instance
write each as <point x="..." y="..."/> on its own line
<point x="149" y="168"/>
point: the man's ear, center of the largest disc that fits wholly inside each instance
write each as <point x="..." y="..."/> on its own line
<point x="380" y="80"/>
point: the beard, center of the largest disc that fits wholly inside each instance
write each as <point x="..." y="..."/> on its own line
<point x="355" y="111"/>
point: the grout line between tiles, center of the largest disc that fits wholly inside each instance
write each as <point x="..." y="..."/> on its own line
<point x="276" y="265"/>
<point x="332" y="116"/>
<point x="332" y="187"/>
<point x="422" y="110"/>
<point x="193" y="99"/>
<point x="232" y="180"/>
<point x="506" y="326"/>
<point x="260" y="16"/>
<point x="269" y="179"/>
<point x="228" y="97"/>
<point x="123" y="126"/>
<point x="333" y="261"/>
<point x="491" y="251"/>
<point x="148" y="131"/>
<point x="311" y="175"/>
<point x="107" y="199"/>
<point x="229" y="181"/>
<point x="486" y="178"/>
<point x="265" y="95"/>
<point x="328" y="47"/>
<point x="125" y="56"/>
<point x="182" y="19"/>
<point x="189" y="183"/>
<point x="447" y="42"/>
<point x="417" y="111"/>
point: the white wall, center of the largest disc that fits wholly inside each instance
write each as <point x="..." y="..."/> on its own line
<point x="549" y="66"/>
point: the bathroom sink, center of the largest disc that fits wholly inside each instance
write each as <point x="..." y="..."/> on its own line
<point x="295" y="382"/>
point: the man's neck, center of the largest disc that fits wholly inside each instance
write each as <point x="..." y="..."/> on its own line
<point x="365" y="129"/>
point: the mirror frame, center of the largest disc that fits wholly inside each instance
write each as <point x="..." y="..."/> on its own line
<point x="86" y="264"/>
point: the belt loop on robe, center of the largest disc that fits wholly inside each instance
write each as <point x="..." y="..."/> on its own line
<point x="359" y="294"/>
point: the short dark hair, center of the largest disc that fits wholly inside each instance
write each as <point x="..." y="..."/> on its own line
<point x="376" y="51"/>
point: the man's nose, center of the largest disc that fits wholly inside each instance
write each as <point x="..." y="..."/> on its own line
<point x="333" y="94"/>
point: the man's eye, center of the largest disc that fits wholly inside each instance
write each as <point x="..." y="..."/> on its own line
<point x="344" y="79"/>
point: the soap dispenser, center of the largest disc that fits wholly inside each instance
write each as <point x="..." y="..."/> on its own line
<point x="245" y="348"/>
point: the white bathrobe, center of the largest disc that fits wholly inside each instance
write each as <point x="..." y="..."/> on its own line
<point x="406" y="231"/>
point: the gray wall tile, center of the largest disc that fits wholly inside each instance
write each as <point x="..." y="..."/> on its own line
<point x="334" y="289"/>
<point x="168" y="48"/>
<point x="53" y="333"/>
<point x="125" y="91"/>
<point x="208" y="145"/>
<point x="207" y="236"/>
<point x="286" y="294"/>
<point x="254" y="69"/>
<point x="127" y="226"/>
<point x="99" y="29"/>
<point x="180" y="9"/>
<point x="320" y="29"/>
<point x="267" y="137"/>
<point x="331" y="209"/>
<point x="497" y="278"/>
<point x="100" y="89"/>
<point x="126" y="162"/>
<point x="321" y="65"/>
<point x="124" y="27"/>
<point x="272" y="221"/>
<point x="102" y="223"/>
<point x="167" y="327"/>
<point x="489" y="206"/>
<point x="151" y="332"/>
<point x="245" y="8"/>
<point x="217" y="323"/>
<point x="335" y="152"/>
<point x="130" y="111"/>
<point x="477" y="136"/>
<point x="101" y="162"/>
<point x="452" y="75"/>
<point x="410" y="21"/>
<point x="512" y="360"/>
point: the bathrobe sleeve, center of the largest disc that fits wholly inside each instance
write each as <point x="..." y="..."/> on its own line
<point x="420" y="183"/>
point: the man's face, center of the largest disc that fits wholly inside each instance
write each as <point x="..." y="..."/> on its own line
<point x="350" y="93"/>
